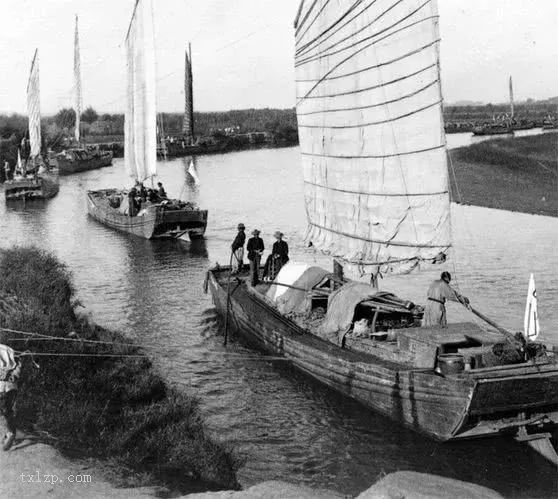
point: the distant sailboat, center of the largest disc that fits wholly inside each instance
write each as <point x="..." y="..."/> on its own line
<point x="375" y="173"/>
<point x="79" y="159"/>
<point x="531" y="327"/>
<point x="36" y="180"/>
<point x="192" y="171"/>
<point x="154" y="218"/>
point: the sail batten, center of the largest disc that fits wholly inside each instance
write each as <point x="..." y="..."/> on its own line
<point x="34" y="108"/>
<point x="77" y="83"/>
<point x="140" y="142"/>
<point x="371" y="132"/>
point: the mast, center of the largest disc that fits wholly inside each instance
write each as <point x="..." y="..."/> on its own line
<point x="188" y="123"/>
<point x="373" y="149"/>
<point x="34" y="108"/>
<point x="140" y="134"/>
<point x="511" y="98"/>
<point x="77" y="83"/>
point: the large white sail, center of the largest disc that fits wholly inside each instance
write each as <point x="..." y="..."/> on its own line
<point x="77" y="82"/>
<point x="140" y="144"/>
<point x="372" y="141"/>
<point x="34" y="108"/>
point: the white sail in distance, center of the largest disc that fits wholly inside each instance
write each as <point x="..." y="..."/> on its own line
<point x="369" y="108"/>
<point x="140" y="142"/>
<point x="193" y="173"/>
<point x="34" y="108"/>
<point x="77" y="83"/>
<point x="531" y="327"/>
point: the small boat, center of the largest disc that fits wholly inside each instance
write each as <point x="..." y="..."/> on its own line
<point x="35" y="179"/>
<point x="498" y="128"/>
<point x="375" y="170"/>
<point x="80" y="159"/>
<point x="116" y="208"/>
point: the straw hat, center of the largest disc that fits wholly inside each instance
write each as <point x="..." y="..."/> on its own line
<point x="255" y="232"/>
<point x="278" y="234"/>
<point x="241" y="226"/>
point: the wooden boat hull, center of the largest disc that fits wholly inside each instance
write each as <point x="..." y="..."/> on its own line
<point x="29" y="188"/>
<point x="153" y="222"/>
<point x="443" y="407"/>
<point x="492" y="131"/>
<point x="68" y="166"/>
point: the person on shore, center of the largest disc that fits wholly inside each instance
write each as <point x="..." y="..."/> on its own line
<point x="237" y="248"/>
<point x="279" y="256"/>
<point x="6" y="170"/>
<point x="161" y="190"/>
<point x="255" y="248"/>
<point x="438" y="293"/>
<point x="10" y="369"/>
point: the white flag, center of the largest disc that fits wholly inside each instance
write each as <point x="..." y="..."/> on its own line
<point x="193" y="173"/>
<point x="531" y="326"/>
<point x="19" y="166"/>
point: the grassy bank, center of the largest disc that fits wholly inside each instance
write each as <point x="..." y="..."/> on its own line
<point x="517" y="174"/>
<point x="116" y="409"/>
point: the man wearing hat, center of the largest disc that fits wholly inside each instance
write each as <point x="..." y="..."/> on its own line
<point x="279" y="256"/>
<point x="237" y="248"/>
<point x="255" y="249"/>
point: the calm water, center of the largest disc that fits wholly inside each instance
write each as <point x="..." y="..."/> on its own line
<point x="285" y="425"/>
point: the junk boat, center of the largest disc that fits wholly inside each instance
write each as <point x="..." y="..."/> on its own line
<point x="80" y="159"/>
<point x="375" y="171"/>
<point x="35" y="179"/>
<point x="165" y="218"/>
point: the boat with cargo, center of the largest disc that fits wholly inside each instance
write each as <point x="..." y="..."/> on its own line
<point x="140" y="211"/>
<point x="375" y="170"/>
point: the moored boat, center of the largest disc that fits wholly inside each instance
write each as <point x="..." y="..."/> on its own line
<point x="157" y="216"/>
<point x="80" y="159"/>
<point x="35" y="179"/>
<point x="375" y="172"/>
<point x="498" y="128"/>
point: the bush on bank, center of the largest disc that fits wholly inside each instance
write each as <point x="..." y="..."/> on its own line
<point x="112" y="408"/>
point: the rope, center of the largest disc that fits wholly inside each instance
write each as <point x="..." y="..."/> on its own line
<point x="55" y="354"/>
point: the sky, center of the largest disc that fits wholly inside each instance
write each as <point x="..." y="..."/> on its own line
<point x="243" y="50"/>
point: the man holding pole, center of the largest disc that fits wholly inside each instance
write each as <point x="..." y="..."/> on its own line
<point x="438" y="293"/>
<point x="255" y="249"/>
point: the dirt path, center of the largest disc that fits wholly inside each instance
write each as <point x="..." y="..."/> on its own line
<point x="34" y="469"/>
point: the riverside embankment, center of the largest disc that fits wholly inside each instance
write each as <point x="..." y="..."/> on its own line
<point x="90" y="393"/>
<point x="515" y="174"/>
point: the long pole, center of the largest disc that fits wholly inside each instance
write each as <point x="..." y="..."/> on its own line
<point x="509" y="336"/>
<point x="228" y="301"/>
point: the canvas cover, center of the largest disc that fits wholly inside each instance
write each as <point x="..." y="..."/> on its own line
<point x="341" y="309"/>
<point x="288" y="274"/>
<point x="373" y="152"/>
<point x="296" y="300"/>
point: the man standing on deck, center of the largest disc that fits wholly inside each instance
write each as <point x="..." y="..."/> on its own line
<point x="6" y="170"/>
<point x="255" y="248"/>
<point x="437" y="294"/>
<point x="237" y="248"/>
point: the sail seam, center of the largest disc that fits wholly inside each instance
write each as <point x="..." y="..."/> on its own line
<point x="316" y="17"/>
<point x="387" y="63"/>
<point x="377" y="241"/>
<point x="407" y="96"/>
<point x="379" y="194"/>
<point x="373" y="123"/>
<point x="323" y="53"/>
<point x="308" y="45"/>
<point x="407" y="153"/>
<point x="373" y="87"/>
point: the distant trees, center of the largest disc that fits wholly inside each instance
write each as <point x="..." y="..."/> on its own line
<point x="89" y="115"/>
<point x="65" y="118"/>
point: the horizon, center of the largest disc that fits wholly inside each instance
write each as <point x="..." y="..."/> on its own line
<point x="243" y="56"/>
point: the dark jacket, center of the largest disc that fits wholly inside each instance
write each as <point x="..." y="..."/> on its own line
<point x="254" y="244"/>
<point x="239" y="240"/>
<point x="281" y="249"/>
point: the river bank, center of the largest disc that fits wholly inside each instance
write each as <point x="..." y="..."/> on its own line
<point x="515" y="174"/>
<point x="92" y="394"/>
